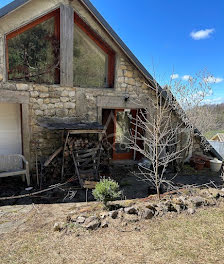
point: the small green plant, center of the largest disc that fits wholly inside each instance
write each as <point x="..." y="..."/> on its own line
<point x="106" y="190"/>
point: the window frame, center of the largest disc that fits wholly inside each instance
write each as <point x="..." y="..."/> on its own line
<point x="54" y="14"/>
<point x="83" y="26"/>
<point x="100" y="43"/>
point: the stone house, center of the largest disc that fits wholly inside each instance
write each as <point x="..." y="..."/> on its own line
<point x="60" y="58"/>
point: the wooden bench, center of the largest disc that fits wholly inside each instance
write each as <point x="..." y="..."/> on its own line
<point x="14" y="165"/>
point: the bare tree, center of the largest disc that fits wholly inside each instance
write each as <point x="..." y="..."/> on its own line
<point x="163" y="132"/>
<point x="191" y="95"/>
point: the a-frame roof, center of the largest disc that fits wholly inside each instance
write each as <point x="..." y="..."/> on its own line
<point x="18" y="3"/>
<point x="12" y="6"/>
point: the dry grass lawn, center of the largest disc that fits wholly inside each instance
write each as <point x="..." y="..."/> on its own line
<point x="198" y="238"/>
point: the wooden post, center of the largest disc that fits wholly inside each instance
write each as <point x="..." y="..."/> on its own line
<point x="66" y="45"/>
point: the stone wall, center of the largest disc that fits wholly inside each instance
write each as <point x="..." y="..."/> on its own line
<point x="56" y="101"/>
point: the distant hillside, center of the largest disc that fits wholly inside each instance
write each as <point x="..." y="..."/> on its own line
<point x="218" y="112"/>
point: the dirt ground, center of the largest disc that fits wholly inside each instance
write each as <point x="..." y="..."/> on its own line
<point x="27" y="236"/>
<point x="131" y="187"/>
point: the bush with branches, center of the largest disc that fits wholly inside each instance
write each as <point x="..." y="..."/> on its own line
<point x="106" y="190"/>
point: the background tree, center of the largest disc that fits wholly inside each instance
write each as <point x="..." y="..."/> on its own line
<point x="165" y="128"/>
<point x="34" y="54"/>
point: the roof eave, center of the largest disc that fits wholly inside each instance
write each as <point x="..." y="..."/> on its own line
<point x="18" y="3"/>
<point x="12" y="7"/>
<point x="117" y="39"/>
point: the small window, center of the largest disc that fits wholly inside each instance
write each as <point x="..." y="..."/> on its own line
<point x="93" y="59"/>
<point x="33" y="52"/>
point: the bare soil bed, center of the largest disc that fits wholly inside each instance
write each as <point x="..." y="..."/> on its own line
<point x="130" y="185"/>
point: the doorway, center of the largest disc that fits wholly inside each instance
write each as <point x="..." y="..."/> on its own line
<point x="119" y="124"/>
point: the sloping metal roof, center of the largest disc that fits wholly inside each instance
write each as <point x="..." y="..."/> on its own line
<point x="72" y="125"/>
<point x="220" y="136"/>
<point x="12" y="6"/>
<point x="17" y="3"/>
<point x="116" y="38"/>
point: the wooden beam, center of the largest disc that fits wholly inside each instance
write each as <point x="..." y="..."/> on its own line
<point x="66" y="45"/>
<point x="26" y="131"/>
<point x="85" y="131"/>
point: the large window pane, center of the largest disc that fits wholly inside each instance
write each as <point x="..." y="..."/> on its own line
<point x="33" y="54"/>
<point x="90" y="62"/>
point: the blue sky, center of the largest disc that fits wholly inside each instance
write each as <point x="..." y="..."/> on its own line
<point x="173" y="36"/>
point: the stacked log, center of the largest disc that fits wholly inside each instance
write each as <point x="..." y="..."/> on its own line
<point x="80" y="143"/>
<point x="52" y="172"/>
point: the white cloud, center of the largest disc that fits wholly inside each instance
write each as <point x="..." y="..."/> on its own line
<point x="200" y="95"/>
<point x="174" y="76"/>
<point x="218" y="100"/>
<point x="202" y="34"/>
<point x="212" y="79"/>
<point x="210" y="92"/>
<point x="186" y="77"/>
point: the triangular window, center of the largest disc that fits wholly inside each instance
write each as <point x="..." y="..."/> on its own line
<point x="33" y="51"/>
<point x="33" y="54"/>
<point x="94" y="59"/>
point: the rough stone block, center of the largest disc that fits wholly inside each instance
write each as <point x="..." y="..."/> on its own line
<point x="128" y="74"/>
<point x="64" y="93"/>
<point x="34" y="94"/>
<point x="64" y="99"/>
<point x="69" y="105"/>
<point x="39" y="113"/>
<point x="61" y="112"/>
<point x="59" y="105"/>
<point x="22" y="87"/>
<point x="44" y="95"/>
<point x="40" y="101"/>
<point x="72" y="93"/>
<point x="42" y="89"/>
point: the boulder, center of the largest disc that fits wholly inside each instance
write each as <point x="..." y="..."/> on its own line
<point x="131" y="210"/>
<point x="190" y="210"/>
<point x="221" y="193"/>
<point x="113" y="214"/>
<point x="161" y="209"/>
<point x="58" y="226"/>
<point x="147" y="214"/>
<point x="197" y="201"/>
<point x="104" y="224"/>
<point x="120" y="214"/>
<point x="170" y="206"/>
<point x="179" y="200"/>
<point x="93" y="225"/>
<point x="90" y="219"/>
<point x="80" y="220"/>
<point x="150" y="206"/>
<point x="179" y="208"/>
<point x="103" y="215"/>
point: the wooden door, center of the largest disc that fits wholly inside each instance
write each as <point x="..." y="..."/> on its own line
<point x="122" y="130"/>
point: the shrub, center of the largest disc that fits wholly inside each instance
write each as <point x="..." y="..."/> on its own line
<point x="106" y="190"/>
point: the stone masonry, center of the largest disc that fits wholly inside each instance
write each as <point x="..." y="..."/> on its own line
<point x="57" y="101"/>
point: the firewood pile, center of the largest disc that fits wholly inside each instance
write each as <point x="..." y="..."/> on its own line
<point x="51" y="168"/>
<point x="79" y="143"/>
